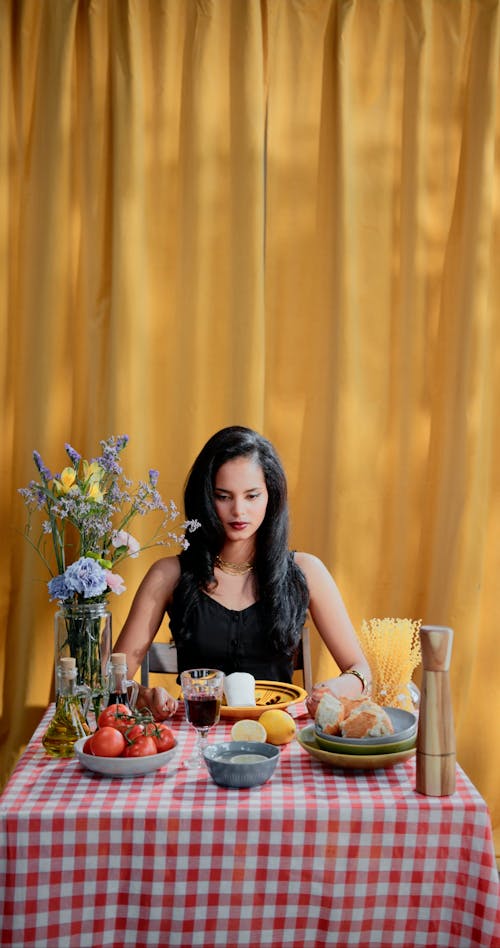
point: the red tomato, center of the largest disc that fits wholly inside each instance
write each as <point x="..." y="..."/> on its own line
<point x="87" y="747"/>
<point x="142" y="747"/>
<point x="107" y="742"/>
<point x="117" y="716"/>
<point x="135" y="731"/>
<point x="162" y="736"/>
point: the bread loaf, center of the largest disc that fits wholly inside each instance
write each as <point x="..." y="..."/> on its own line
<point x="352" y="717"/>
<point x="330" y="714"/>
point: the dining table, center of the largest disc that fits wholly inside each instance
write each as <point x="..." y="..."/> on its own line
<point x="320" y="855"/>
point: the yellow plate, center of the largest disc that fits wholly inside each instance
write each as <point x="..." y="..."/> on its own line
<point x="268" y="694"/>
<point x="307" y="741"/>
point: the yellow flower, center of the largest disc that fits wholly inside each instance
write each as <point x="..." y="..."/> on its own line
<point x="92" y="476"/>
<point x="67" y="482"/>
<point x="95" y="493"/>
<point x="92" y="471"/>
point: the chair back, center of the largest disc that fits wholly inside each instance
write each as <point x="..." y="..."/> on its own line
<point x="303" y="661"/>
<point x="161" y="658"/>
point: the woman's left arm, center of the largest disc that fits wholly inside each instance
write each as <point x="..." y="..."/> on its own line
<point x="331" y="619"/>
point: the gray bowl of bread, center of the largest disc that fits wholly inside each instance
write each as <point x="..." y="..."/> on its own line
<point x="360" y="726"/>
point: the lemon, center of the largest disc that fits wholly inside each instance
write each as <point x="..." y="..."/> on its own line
<point x="248" y="730"/>
<point x="279" y="726"/>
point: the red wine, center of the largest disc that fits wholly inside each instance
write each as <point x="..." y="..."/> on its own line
<point x="202" y="711"/>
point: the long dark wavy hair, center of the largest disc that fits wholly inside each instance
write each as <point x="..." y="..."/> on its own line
<point x="280" y="584"/>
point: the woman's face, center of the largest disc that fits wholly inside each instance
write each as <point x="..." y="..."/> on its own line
<point x="240" y="497"/>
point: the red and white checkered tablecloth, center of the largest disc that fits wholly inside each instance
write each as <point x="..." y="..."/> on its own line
<point x="316" y="857"/>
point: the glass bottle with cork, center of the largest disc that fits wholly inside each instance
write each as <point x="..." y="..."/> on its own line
<point x="121" y="690"/>
<point x="68" y="723"/>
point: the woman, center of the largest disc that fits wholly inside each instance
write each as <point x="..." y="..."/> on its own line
<point x="237" y="597"/>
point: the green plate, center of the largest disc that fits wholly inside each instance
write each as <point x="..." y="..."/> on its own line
<point x="330" y="744"/>
<point x="307" y="740"/>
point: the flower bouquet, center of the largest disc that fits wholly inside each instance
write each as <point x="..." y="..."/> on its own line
<point x="86" y="512"/>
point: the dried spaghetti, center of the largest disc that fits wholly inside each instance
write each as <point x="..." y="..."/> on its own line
<point x="392" y="649"/>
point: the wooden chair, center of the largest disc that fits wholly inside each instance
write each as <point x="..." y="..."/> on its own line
<point x="162" y="659"/>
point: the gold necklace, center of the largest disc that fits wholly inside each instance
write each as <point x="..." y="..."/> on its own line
<point x="234" y="569"/>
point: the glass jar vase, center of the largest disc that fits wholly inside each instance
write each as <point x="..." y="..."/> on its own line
<point x="83" y="632"/>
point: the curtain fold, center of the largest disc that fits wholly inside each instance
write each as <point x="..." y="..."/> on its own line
<point x="284" y="214"/>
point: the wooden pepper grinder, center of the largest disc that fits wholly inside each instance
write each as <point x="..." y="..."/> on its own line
<point x="436" y="752"/>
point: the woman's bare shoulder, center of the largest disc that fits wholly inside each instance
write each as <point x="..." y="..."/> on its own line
<point x="165" y="571"/>
<point x="309" y="563"/>
<point x="318" y="576"/>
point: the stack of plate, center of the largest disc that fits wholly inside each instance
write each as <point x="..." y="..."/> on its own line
<point x="367" y="753"/>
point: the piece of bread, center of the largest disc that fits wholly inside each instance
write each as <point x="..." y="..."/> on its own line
<point x="366" y="720"/>
<point x="330" y="714"/>
<point x="351" y="703"/>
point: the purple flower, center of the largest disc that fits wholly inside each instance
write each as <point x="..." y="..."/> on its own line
<point x="153" y="477"/>
<point x="44" y="471"/>
<point x="58" y="588"/>
<point x="73" y="455"/>
<point x="109" y="457"/>
<point x="33" y="495"/>
<point x="86" y="577"/>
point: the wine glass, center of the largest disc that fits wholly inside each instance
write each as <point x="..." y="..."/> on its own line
<point x="202" y="692"/>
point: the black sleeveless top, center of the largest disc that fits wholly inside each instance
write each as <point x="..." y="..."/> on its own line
<point x="232" y="640"/>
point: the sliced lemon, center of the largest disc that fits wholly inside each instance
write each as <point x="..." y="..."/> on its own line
<point x="248" y="730"/>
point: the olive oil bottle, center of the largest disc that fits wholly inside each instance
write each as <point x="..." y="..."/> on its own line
<point x="68" y="723"/>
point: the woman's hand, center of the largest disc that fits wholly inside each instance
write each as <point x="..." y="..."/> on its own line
<point x="161" y="704"/>
<point x="313" y="700"/>
<point x="343" y="686"/>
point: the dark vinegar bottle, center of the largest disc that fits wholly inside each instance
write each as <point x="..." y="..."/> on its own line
<point x="118" y="684"/>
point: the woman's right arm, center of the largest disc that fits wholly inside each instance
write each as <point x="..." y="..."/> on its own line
<point x="143" y="621"/>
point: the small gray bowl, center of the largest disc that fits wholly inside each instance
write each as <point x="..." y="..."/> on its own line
<point x="228" y="767"/>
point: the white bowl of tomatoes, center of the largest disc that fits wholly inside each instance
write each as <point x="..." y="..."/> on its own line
<point x="126" y="744"/>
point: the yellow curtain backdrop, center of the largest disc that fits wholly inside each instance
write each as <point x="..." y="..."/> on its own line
<point x="284" y="214"/>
